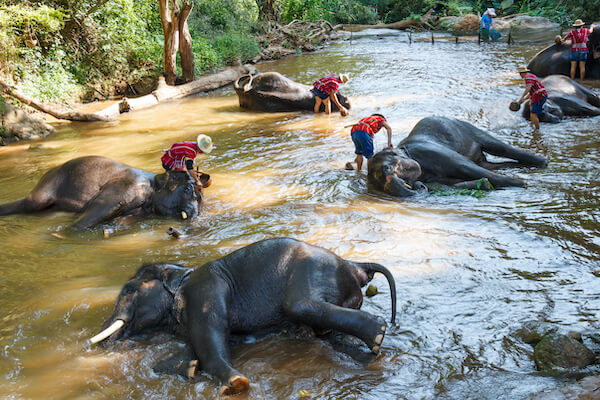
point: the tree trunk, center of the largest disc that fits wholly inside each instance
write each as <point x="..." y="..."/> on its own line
<point x="68" y="115"/>
<point x="267" y="10"/>
<point x="185" y="43"/>
<point x="170" y="24"/>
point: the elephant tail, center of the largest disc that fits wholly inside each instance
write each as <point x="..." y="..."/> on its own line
<point x="370" y="269"/>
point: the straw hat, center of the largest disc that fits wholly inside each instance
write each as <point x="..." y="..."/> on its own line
<point x="343" y="78"/>
<point x="523" y="69"/>
<point x="578" y="22"/>
<point x="491" y="12"/>
<point x="204" y="143"/>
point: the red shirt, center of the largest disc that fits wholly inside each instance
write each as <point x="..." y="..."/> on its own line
<point x="371" y="125"/>
<point x="538" y="92"/>
<point x="328" y="84"/>
<point x="579" y="38"/>
<point x="179" y="152"/>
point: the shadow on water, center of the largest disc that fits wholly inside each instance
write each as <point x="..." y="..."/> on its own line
<point x="469" y="271"/>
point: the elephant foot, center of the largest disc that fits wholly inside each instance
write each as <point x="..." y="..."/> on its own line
<point x="237" y="384"/>
<point x="349" y="166"/>
<point x="375" y="346"/>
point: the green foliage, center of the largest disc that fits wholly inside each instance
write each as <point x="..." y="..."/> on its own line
<point x="334" y="11"/>
<point x="482" y="189"/>
<point x="223" y="50"/>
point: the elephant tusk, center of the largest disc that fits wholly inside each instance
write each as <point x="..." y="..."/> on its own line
<point x="183" y="215"/>
<point x="407" y="185"/>
<point x="118" y="324"/>
<point x="248" y="85"/>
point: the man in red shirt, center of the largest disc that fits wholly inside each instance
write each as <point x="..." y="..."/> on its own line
<point x="325" y="89"/>
<point x="182" y="156"/>
<point x="579" y="50"/>
<point x="362" y="135"/>
<point x="536" y="93"/>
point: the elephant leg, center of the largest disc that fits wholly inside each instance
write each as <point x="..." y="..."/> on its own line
<point x="31" y="203"/>
<point x="209" y="332"/>
<point x="496" y="147"/>
<point x="323" y="315"/>
<point x="111" y="202"/>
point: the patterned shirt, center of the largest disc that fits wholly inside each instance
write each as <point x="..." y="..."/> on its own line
<point x="328" y="84"/>
<point x="579" y="38"/>
<point x="538" y="92"/>
<point x="179" y="153"/>
<point x="371" y="125"/>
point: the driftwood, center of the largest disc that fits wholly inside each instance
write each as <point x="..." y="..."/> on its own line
<point x="409" y="23"/>
<point x="166" y="92"/>
<point x="68" y="115"/>
<point x="281" y="40"/>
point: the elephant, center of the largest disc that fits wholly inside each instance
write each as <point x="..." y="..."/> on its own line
<point x="101" y="189"/>
<point x="271" y="91"/>
<point x="255" y="289"/>
<point x="447" y="151"/>
<point x="555" y="59"/>
<point x="565" y="98"/>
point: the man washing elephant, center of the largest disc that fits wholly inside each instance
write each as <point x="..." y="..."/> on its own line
<point x="182" y="156"/>
<point x="362" y="134"/>
<point x="325" y="91"/>
<point x="536" y="93"/>
<point x="579" y="47"/>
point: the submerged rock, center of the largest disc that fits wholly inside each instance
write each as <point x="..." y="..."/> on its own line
<point x="18" y="125"/>
<point x="587" y="388"/>
<point x="533" y="331"/>
<point x="558" y="351"/>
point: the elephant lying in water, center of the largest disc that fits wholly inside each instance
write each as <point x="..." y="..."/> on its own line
<point x="555" y="59"/>
<point x="271" y="91"/>
<point x="447" y="151"/>
<point x="566" y="98"/>
<point x="101" y="189"/>
<point x="254" y="289"/>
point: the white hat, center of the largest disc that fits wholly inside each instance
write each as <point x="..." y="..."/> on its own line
<point x="491" y="12"/>
<point x="204" y="143"/>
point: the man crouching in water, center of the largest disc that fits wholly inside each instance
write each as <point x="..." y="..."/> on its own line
<point x="362" y="135"/>
<point x="182" y="156"/>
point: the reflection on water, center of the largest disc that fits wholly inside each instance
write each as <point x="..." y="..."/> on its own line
<point x="469" y="271"/>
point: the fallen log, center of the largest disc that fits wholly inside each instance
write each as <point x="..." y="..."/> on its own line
<point x="166" y="92"/>
<point x="67" y="115"/>
<point x="401" y="25"/>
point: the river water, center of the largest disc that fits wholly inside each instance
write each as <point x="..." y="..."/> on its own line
<point x="469" y="271"/>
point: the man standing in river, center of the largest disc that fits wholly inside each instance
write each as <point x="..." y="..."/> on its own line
<point x="182" y="156"/>
<point x="536" y="93"/>
<point x="362" y="135"/>
<point x="325" y="89"/>
<point x="579" y="50"/>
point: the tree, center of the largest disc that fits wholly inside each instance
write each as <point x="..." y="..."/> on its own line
<point x="268" y="10"/>
<point x="177" y="36"/>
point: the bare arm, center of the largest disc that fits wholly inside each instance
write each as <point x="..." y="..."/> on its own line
<point x="343" y="110"/>
<point x="388" y="128"/>
<point x="526" y="94"/>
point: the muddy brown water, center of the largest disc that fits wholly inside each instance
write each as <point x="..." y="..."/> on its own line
<point x="469" y="271"/>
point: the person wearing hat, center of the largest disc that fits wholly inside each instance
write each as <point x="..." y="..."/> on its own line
<point x="325" y="89"/>
<point x="362" y="135"/>
<point x="536" y="93"/>
<point x="182" y="156"/>
<point x="579" y="50"/>
<point x="486" y="23"/>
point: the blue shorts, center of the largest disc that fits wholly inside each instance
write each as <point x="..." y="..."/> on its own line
<point x="538" y="108"/>
<point x="363" y="143"/>
<point x="579" y="55"/>
<point x="320" y="94"/>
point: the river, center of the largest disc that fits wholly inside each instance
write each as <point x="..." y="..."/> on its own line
<point x="469" y="271"/>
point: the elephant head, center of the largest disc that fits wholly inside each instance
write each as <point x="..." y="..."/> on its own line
<point x="176" y="195"/>
<point x="395" y="173"/>
<point x="149" y="301"/>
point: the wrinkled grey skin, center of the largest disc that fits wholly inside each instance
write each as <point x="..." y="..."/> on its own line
<point x="271" y="91"/>
<point x="555" y="59"/>
<point x="447" y="151"/>
<point x="101" y="189"/>
<point x="566" y="98"/>
<point x="259" y="288"/>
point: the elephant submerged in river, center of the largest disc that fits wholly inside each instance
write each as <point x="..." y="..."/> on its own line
<point x="271" y="91"/>
<point x="447" y="151"/>
<point x="555" y="59"/>
<point x="101" y="189"/>
<point x="565" y="98"/>
<point x="255" y="289"/>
